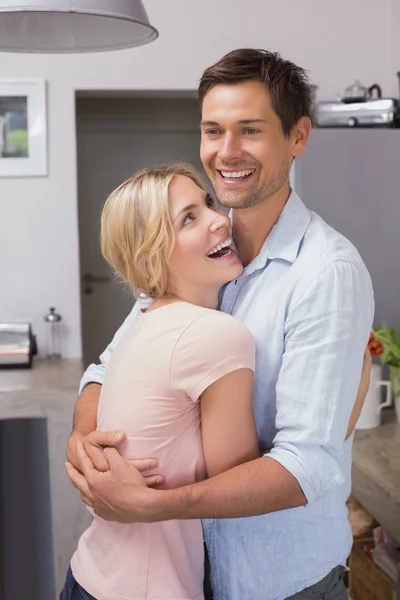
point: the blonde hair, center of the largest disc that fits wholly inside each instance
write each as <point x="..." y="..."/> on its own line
<point x="137" y="235"/>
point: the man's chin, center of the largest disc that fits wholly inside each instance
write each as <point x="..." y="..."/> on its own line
<point x="230" y="200"/>
<point x="225" y="196"/>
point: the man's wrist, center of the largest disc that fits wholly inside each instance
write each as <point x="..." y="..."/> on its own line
<point x="166" y="505"/>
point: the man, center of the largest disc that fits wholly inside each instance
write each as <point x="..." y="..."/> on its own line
<point x="306" y="296"/>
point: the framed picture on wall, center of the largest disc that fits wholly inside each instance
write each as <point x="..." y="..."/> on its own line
<point x="23" y="130"/>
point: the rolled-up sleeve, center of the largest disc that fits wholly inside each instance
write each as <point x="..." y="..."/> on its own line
<point x="326" y="334"/>
<point x="95" y="373"/>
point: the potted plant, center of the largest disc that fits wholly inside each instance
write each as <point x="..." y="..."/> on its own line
<point x="387" y="343"/>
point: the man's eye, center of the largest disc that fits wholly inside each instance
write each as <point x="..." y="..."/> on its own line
<point x="212" y="131"/>
<point x="188" y="219"/>
<point x="250" y="131"/>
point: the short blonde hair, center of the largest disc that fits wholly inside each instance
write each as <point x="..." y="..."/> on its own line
<point x="137" y="235"/>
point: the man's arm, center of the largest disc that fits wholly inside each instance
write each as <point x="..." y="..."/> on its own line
<point x="121" y="494"/>
<point x="326" y="334"/>
<point x="239" y="484"/>
<point x="85" y="411"/>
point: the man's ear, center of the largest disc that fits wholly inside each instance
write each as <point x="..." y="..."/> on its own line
<point x="300" y="134"/>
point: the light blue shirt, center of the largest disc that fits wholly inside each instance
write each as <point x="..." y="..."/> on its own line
<point x="307" y="298"/>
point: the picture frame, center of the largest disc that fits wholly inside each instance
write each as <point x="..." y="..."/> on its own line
<point x="23" y="128"/>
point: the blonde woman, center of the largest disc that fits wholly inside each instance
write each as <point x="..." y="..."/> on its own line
<point x="180" y="364"/>
<point x="179" y="382"/>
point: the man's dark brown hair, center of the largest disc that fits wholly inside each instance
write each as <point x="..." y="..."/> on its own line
<point x="288" y="84"/>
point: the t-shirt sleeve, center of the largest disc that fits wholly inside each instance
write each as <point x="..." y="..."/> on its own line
<point x="210" y="347"/>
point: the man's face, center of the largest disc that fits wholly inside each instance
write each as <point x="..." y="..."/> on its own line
<point x="243" y="149"/>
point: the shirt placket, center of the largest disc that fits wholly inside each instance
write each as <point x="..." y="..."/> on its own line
<point x="231" y="295"/>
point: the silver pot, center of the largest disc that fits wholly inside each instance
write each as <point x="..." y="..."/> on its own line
<point x="359" y="93"/>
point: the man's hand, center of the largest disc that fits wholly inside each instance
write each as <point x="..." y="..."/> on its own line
<point x="119" y="494"/>
<point x="94" y="444"/>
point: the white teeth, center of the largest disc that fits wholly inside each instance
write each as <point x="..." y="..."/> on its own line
<point x="236" y="174"/>
<point x="220" y="246"/>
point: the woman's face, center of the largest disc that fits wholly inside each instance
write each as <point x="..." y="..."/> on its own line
<point x="202" y="254"/>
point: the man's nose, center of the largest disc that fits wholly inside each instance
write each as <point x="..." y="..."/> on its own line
<point x="230" y="148"/>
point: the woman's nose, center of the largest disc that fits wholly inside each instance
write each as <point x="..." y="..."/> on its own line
<point x="220" y="221"/>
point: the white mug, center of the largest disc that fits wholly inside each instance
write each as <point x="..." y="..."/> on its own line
<point x="371" y="412"/>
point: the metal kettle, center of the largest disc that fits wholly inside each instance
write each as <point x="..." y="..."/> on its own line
<point x="359" y="93"/>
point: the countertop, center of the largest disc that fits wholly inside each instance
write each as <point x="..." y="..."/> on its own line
<point x="49" y="389"/>
<point x="376" y="472"/>
<point x="57" y="374"/>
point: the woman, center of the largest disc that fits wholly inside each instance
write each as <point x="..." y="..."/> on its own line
<point x="162" y="233"/>
<point x="180" y="364"/>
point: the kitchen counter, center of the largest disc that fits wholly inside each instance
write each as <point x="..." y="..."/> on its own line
<point x="49" y="391"/>
<point x="376" y="472"/>
<point x="46" y="375"/>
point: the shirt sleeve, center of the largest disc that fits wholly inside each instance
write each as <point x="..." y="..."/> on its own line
<point x="95" y="373"/>
<point x="210" y="347"/>
<point x="326" y="334"/>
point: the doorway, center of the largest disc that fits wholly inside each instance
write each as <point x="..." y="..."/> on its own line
<point x="118" y="134"/>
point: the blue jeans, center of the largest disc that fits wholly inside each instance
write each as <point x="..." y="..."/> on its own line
<point x="72" y="590"/>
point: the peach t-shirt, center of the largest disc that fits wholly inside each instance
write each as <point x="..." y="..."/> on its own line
<point x="151" y="390"/>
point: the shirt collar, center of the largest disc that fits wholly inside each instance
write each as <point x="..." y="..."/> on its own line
<point x="285" y="238"/>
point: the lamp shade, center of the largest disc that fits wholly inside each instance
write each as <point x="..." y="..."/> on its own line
<point x="64" y="26"/>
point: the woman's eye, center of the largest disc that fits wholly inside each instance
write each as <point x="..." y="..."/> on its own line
<point x="188" y="219"/>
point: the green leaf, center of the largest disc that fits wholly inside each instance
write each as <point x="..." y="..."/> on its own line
<point x="395" y="380"/>
<point x="391" y="345"/>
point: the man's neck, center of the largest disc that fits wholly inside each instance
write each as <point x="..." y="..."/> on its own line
<point x="251" y="226"/>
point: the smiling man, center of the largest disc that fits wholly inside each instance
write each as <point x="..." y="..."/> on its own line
<point x="306" y="296"/>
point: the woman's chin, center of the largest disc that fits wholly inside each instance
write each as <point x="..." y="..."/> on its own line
<point x="232" y="272"/>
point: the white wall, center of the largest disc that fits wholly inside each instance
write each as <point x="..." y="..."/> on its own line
<point x="394" y="36"/>
<point x="39" y="264"/>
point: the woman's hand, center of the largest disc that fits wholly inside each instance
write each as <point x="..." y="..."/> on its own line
<point x="118" y="493"/>
<point x="94" y="444"/>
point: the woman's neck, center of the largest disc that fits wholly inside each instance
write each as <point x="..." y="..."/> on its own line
<point x="206" y="297"/>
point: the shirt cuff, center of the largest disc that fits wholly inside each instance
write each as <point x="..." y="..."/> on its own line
<point x="93" y="374"/>
<point x="316" y="470"/>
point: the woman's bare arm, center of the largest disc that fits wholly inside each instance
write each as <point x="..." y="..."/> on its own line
<point x="229" y="431"/>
